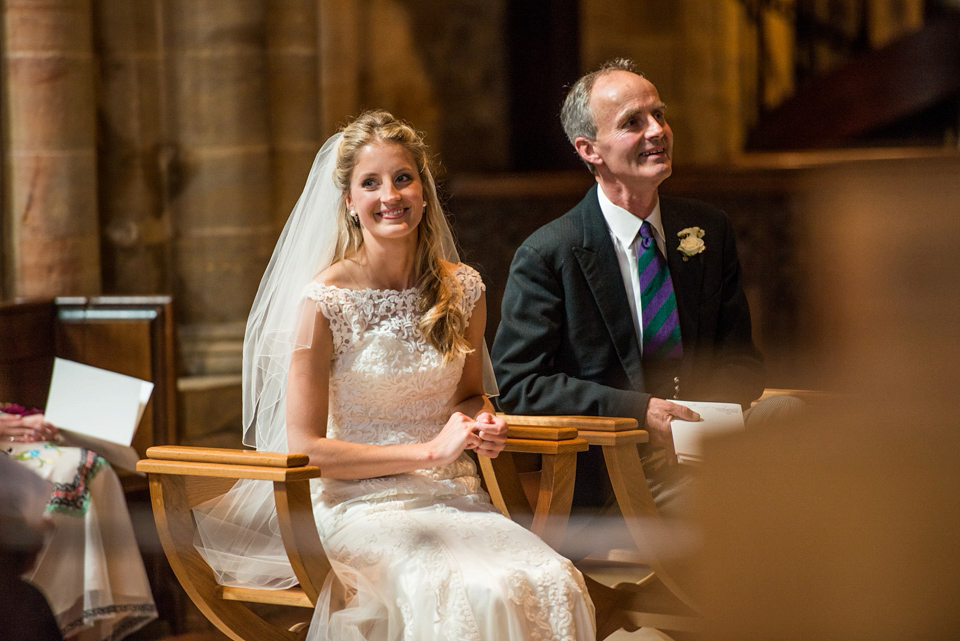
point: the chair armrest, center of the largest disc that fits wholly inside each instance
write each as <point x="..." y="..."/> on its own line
<point x="225" y="463"/>
<point x="591" y="430"/>
<point x="542" y="434"/>
<point x="561" y="423"/>
<point x="230" y="456"/>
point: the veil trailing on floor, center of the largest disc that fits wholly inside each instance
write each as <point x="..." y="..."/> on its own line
<point x="239" y="536"/>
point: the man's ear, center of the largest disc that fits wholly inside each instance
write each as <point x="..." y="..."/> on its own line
<point x="587" y="149"/>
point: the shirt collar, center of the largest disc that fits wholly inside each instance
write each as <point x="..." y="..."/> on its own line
<point x="624" y="225"/>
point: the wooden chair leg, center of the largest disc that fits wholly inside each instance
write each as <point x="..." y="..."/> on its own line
<point x="558" y="449"/>
<point x="300" y="538"/>
<point x="503" y="484"/>
<point x="555" y="497"/>
<point x="640" y="512"/>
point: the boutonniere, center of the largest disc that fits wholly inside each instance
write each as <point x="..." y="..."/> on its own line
<point x="691" y="242"/>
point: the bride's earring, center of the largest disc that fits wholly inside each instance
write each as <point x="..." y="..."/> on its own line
<point x="355" y="218"/>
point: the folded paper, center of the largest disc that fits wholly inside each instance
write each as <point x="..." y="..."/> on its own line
<point x="97" y="409"/>
<point x="715" y="419"/>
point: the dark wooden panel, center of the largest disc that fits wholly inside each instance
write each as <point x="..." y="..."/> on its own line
<point x="26" y="351"/>
<point x="132" y="336"/>
<point x="875" y="90"/>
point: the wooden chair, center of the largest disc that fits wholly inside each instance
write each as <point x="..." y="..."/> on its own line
<point x="656" y="599"/>
<point x="183" y="477"/>
<point x="130" y="335"/>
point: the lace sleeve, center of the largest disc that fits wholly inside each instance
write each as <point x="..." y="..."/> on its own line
<point x="472" y="285"/>
<point x="330" y="303"/>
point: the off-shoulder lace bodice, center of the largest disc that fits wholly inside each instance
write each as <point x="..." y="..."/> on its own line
<point x="388" y="385"/>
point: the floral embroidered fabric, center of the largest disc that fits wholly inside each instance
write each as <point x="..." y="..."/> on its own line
<point x="423" y="555"/>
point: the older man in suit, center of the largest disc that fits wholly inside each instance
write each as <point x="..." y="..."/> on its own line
<point x="629" y="300"/>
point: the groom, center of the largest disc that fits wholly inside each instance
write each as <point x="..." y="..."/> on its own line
<point x="628" y="300"/>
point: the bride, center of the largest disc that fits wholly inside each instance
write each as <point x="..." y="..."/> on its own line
<point x="364" y="350"/>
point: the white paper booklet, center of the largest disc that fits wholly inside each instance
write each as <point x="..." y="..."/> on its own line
<point x="716" y="418"/>
<point x="97" y="409"/>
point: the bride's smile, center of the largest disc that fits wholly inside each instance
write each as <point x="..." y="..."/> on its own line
<point x="386" y="192"/>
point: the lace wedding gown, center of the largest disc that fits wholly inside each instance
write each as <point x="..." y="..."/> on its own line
<point x="424" y="555"/>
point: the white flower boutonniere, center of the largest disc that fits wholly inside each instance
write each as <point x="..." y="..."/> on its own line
<point x="691" y="242"/>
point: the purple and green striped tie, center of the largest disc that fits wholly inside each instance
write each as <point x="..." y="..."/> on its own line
<point x="661" y="327"/>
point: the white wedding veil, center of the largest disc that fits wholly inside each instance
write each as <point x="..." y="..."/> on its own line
<point x="238" y="532"/>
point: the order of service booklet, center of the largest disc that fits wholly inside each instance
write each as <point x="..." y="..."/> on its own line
<point x="715" y="419"/>
<point x="97" y="409"/>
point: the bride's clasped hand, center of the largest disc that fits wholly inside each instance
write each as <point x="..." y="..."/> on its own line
<point x="486" y="435"/>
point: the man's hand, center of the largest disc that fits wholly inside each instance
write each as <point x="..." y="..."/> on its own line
<point x="657" y="422"/>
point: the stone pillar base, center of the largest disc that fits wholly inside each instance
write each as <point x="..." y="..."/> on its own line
<point x="211" y="349"/>
<point x="210" y="411"/>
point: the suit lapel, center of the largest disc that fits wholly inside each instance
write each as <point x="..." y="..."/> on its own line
<point x="687" y="275"/>
<point x="598" y="262"/>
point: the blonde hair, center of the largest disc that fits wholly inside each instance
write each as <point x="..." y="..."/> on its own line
<point x="442" y="320"/>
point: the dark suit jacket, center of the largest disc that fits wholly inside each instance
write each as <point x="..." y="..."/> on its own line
<point x="566" y="343"/>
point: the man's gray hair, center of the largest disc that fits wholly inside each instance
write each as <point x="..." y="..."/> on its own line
<point x="576" y="115"/>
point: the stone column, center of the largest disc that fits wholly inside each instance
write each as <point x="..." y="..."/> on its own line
<point x="136" y="223"/>
<point x="690" y="50"/>
<point x="50" y="160"/>
<point x="294" y="99"/>
<point x="340" y="61"/>
<point x="708" y="128"/>
<point x="220" y="180"/>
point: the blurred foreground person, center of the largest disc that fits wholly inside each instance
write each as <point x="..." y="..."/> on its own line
<point x="25" y="614"/>
<point x="90" y="568"/>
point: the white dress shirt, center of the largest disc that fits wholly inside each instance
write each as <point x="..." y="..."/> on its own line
<point x="625" y="233"/>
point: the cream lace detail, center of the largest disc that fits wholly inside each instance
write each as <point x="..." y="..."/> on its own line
<point x="388" y="384"/>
